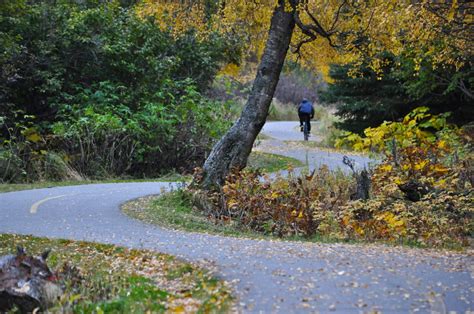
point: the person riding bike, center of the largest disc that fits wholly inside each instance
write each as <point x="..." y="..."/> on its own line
<point x="305" y="113"/>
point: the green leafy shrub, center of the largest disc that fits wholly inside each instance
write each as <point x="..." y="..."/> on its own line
<point x="24" y="154"/>
<point x="104" y="137"/>
<point x="111" y="93"/>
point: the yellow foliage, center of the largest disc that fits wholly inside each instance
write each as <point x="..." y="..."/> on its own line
<point x="421" y="165"/>
<point x="31" y="134"/>
<point x="232" y="202"/>
<point x="175" y="16"/>
<point x="33" y="137"/>
<point x="442" y="144"/>
<point x="390" y="26"/>
<point x="230" y="69"/>
<point x="440" y="169"/>
<point x="386" y="167"/>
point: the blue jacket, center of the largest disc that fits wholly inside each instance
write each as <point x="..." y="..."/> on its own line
<point x="306" y="107"/>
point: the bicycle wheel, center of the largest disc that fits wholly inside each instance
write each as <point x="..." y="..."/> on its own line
<point x="305" y="130"/>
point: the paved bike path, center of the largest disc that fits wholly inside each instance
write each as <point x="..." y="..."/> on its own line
<point x="269" y="276"/>
<point x="286" y="139"/>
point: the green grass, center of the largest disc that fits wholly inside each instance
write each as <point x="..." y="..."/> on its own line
<point x="10" y="187"/>
<point x="116" y="279"/>
<point x="271" y="162"/>
<point x="174" y="210"/>
<point x="321" y="146"/>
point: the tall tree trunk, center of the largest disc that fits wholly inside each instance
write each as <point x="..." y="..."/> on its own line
<point x="232" y="151"/>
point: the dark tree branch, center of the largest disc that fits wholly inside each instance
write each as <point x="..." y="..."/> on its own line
<point x="336" y="18"/>
<point x="462" y="86"/>
<point x="435" y="11"/>
<point x="319" y="27"/>
<point x="312" y="31"/>
<point x="300" y="44"/>
<point x="370" y="20"/>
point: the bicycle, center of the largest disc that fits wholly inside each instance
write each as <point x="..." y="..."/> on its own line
<point x="306" y="130"/>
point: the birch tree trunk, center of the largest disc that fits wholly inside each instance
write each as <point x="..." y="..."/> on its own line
<point x="233" y="149"/>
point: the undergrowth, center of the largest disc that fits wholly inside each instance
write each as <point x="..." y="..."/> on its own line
<point x="422" y="193"/>
<point x="257" y="160"/>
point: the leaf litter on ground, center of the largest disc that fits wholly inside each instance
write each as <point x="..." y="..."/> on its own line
<point x="110" y="278"/>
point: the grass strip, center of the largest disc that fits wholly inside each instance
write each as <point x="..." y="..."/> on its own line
<point x="11" y="187"/>
<point x="174" y="210"/>
<point x="267" y="162"/>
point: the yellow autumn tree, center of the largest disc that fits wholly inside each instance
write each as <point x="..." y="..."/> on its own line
<point x="318" y="32"/>
<point x="333" y="31"/>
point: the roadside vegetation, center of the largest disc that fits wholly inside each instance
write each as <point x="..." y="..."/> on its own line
<point x="421" y="194"/>
<point x="175" y="210"/>
<point x="90" y="90"/>
<point x="365" y="97"/>
<point x="100" y="278"/>
<point x="265" y="162"/>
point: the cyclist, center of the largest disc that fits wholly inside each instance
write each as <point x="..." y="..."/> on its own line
<point x="305" y="113"/>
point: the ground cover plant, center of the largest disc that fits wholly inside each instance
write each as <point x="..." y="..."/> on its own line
<point x="175" y="210"/>
<point x="100" y="278"/>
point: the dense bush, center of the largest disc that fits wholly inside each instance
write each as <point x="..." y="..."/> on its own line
<point x="173" y="132"/>
<point x="423" y="191"/>
<point x="106" y="91"/>
<point x="282" y="206"/>
<point x="365" y="97"/>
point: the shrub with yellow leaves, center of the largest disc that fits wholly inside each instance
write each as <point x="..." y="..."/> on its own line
<point x="423" y="190"/>
<point x="284" y="206"/>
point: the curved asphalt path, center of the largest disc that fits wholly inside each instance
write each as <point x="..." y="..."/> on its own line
<point x="283" y="140"/>
<point x="269" y="276"/>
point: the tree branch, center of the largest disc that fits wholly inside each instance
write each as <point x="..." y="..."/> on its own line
<point x="336" y="18"/>
<point x="462" y="86"/>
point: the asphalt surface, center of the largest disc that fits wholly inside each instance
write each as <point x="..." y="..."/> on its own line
<point x="269" y="276"/>
<point x="286" y="139"/>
